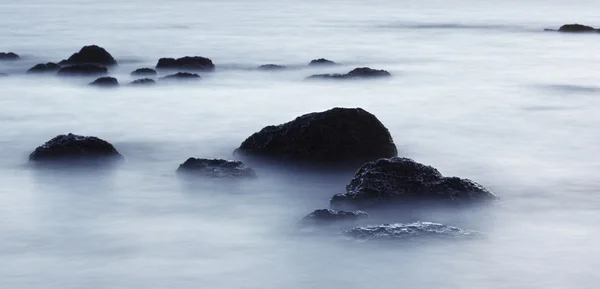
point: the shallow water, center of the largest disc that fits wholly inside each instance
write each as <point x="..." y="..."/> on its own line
<point x="478" y="91"/>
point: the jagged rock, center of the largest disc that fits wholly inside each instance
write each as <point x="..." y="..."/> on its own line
<point x="144" y="72"/>
<point x="91" y="54"/>
<point x="186" y="63"/>
<point x="271" y="67"/>
<point x="577" y="28"/>
<point x="361" y="72"/>
<point x="9" y="56"/>
<point x="143" y="81"/>
<point x="216" y="168"/>
<point x="82" y="70"/>
<point x="321" y="62"/>
<point x="398" y="180"/>
<point x="182" y="76"/>
<point x="408" y="231"/>
<point x="74" y="147"/>
<point x="326" y="215"/>
<point x="49" y="67"/>
<point x="105" y="82"/>
<point x="338" y="135"/>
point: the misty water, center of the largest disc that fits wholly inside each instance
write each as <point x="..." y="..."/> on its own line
<point x="478" y="91"/>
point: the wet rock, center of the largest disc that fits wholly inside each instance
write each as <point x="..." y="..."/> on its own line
<point x="321" y="62"/>
<point x="49" y="67"/>
<point x="408" y="231"/>
<point x="186" y="63"/>
<point x="105" y="82"/>
<point x="91" y="54"/>
<point x="577" y="28"/>
<point x="400" y="180"/>
<point x="72" y="147"/>
<point x="338" y="135"/>
<point x="271" y="67"/>
<point x="216" y="168"/>
<point x="326" y="215"/>
<point x="144" y="72"/>
<point x="182" y="76"/>
<point x="361" y="72"/>
<point x="82" y="70"/>
<point x="143" y="81"/>
<point x="9" y="56"/>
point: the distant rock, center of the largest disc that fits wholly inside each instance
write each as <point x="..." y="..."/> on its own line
<point x="9" y="56"/>
<point x="72" y="147"/>
<point x="362" y="72"/>
<point x="400" y="180"/>
<point x="327" y="216"/>
<point x="271" y="67"/>
<point x="186" y="63"/>
<point x="408" y="231"/>
<point x="49" y="67"/>
<point x="321" y="62"/>
<point x="143" y="81"/>
<point x="105" y="82"/>
<point x="182" y="76"/>
<point x="216" y="168"/>
<point x="82" y="70"/>
<point x="91" y="54"/>
<point x="338" y="135"/>
<point x="577" y="28"/>
<point x="144" y="72"/>
<point x="2" y="74"/>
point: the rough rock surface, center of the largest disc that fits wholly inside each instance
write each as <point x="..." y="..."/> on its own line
<point x="144" y="72"/>
<point x="91" y="54"/>
<point x="216" y="168"/>
<point x="49" y="67"/>
<point x="182" y="76"/>
<point x="577" y="28"/>
<point x="338" y="135"/>
<point x="271" y="67"/>
<point x="321" y="62"/>
<point x="143" y="81"/>
<point x="9" y="56"/>
<point x="74" y="147"/>
<point x="186" y="63"/>
<point x="105" y="82"/>
<point x="398" y="179"/>
<point x="407" y="231"/>
<point x="326" y="215"/>
<point x="82" y="70"/>
<point x="361" y="72"/>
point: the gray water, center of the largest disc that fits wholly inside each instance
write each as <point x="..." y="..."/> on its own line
<point x="478" y="92"/>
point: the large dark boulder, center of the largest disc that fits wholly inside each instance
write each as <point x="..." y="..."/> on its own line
<point x="82" y="70"/>
<point x="401" y="180"/>
<point x="408" y="231"/>
<point x="577" y="28"/>
<point x="144" y="72"/>
<point x="216" y="168"/>
<point x="91" y="54"/>
<point x="105" y="82"/>
<point x="361" y="72"/>
<point x="9" y="56"/>
<point x="72" y="147"/>
<point x="143" y="81"/>
<point x="182" y="76"/>
<point x="271" y="67"/>
<point x="49" y="67"/>
<point x="186" y="63"/>
<point x="321" y="62"/>
<point x="328" y="216"/>
<point x="338" y="135"/>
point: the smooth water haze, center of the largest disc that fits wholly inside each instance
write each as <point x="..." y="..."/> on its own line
<point x="478" y="91"/>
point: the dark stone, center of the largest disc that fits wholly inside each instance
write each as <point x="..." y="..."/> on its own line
<point x="144" y="72"/>
<point x="91" y="54"/>
<point x="326" y="215"/>
<point x="74" y="147"/>
<point x="49" y="67"/>
<point x="338" y="135"/>
<point x="82" y="70"/>
<point x="271" y="67"/>
<point x="9" y="56"/>
<point x="321" y="62"/>
<point x="408" y="231"/>
<point x="182" y="76"/>
<point x="362" y="72"/>
<point x="576" y="28"/>
<point x="398" y="180"/>
<point x="105" y="82"/>
<point x="143" y="81"/>
<point x="186" y="63"/>
<point x="216" y="168"/>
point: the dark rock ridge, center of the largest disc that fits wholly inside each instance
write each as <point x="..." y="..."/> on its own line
<point x="144" y="72"/>
<point x="408" y="231"/>
<point x="181" y="76"/>
<point x="105" y="82"/>
<point x="321" y="62"/>
<point x="326" y="215"/>
<point x="361" y="72"/>
<point x="186" y="63"/>
<point x="397" y="180"/>
<point x="216" y="168"/>
<point x="143" y="81"/>
<point x="82" y="70"/>
<point x="338" y="135"/>
<point x="271" y="67"/>
<point x="577" y="28"/>
<point x="49" y="67"/>
<point x="9" y="56"/>
<point x="74" y="147"/>
<point x="91" y="54"/>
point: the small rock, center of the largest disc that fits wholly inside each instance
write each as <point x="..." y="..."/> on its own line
<point x="144" y="72"/>
<point x="576" y="28"/>
<point x="49" y="67"/>
<point x="143" y="81"/>
<point x="326" y="215"/>
<point x="186" y="63"/>
<point x="91" y="54"/>
<point x="216" y="168"/>
<point x="321" y="62"/>
<point x="9" y="56"/>
<point x="82" y="70"/>
<point x="407" y="231"/>
<point x="74" y="147"/>
<point x="270" y="67"/>
<point x="362" y="72"/>
<point x="182" y="76"/>
<point x="105" y="82"/>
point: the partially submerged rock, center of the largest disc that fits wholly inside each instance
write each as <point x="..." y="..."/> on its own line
<point x="9" y="56"/>
<point x="361" y="72"/>
<point x="186" y="63"/>
<point x="182" y="76"/>
<point x="216" y="168"/>
<point x="105" y="82"/>
<point x="91" y="54"/>
<point x="83" y="70"/>
<point x="144" y="72"/>
<point x="271" y="67"/>
<point x="577" y="28"/>
<point x="407" y="231"/>
<point x="400" y="180"/>
<point x="49" y="67"/>
<point x="72" y="147"/>
<point x="143" y="81"/>
<point x="338" y="135"/>
<point x="326" y="216"/>
<point x="321" y="62"/>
